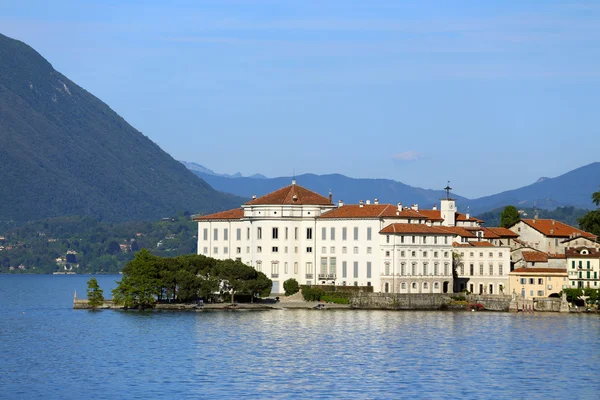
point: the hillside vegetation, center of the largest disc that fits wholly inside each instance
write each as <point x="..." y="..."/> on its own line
<point x="65" y="152"/>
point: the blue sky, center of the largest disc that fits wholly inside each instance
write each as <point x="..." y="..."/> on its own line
<point x="490" y="95"/>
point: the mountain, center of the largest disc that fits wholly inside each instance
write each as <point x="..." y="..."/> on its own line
<point x="350" y="190"/>
<point x="571" y="189"/>
<point x="574" y="188"/>
<point x="65" y="152"/>
<point x="195" y="167"/>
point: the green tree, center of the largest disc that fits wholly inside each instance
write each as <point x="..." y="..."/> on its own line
<point x="590" y="222"/>
<point x="596" y="198"/>
<point x="291" y="286"/>
<point x="141" y="284"/>
<point x="94" y="293"/>
<point x="509" y="216"/>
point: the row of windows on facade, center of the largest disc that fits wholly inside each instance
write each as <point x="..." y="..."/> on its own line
<point x="490" y="254"/>
<point x="491" y="269"/>
<point x="355" y="250"/>
<point x="413" y="286"/>
<point x="581" y="276"/>
<point x="328" y="269"/>
<point x="580" y="264"/>
<point x="414" y="269"/>
<point x="309" y="235"/>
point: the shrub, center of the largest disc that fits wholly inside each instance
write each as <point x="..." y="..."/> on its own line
<point x="331" y="298"/>
<point x="291" y="286"/>
<point x="312" y="294"/>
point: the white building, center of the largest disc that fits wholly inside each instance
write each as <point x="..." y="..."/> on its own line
<point x="583" y="267"/>
<point x="296" y="233"/>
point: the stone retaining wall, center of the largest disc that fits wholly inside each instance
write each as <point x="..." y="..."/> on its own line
<point x="425" y="301"/>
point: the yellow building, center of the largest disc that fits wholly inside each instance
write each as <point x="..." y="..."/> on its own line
<point x="537" y="282"/>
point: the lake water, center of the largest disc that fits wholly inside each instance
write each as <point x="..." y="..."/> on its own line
<point x="48" y="350"/>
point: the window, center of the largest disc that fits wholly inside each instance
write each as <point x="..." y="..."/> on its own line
<point x="356" y="269"/>
<point x="247" y="233"/>
<point x="413" y="253"/>
<point x="471" y="254"/>
<point x="387" y="268"/>
<point x="436" y="267"/>
<point x="323" y="233"/>
<point x="472" y="269"/>
<point x="403" y="268"/>
<point x="531" y="281"/>
<point x="573" y="264"/>
<point x="309" y="270"/>
<point x="238" y="234"/>
<point x="402" y="253"/>
<point x="323" y="266"/>
<point x="531" y="293"/>
<point x="275" y="270"/>
<point x="424" y="268"/>
<point x="445" y="254"/>
<point x="324" y="250"/>
<point x="259" y="265"/>
<point x="295" y="268"/>
<point x="215" y="234"/>
<point x="414" y="239"/>
<point x="309" y="233"/>
<point x="541" y="292"/>
<point x="403" y="286"/>
<point x="332" y="250"/>
<point x="446" y="269"/>
<point x="523" y="281"/>
<point x="369" y="234"/>
<point x="356" y="233"/>
<point x="491" y="254"/>
<point x="309" y="249"/>
<point x="344" y="233"/>
<point x="275" y="233"/>
<point x="370" y="250"/>
<point x="480" y="268"/>
<point x="332" y="266"/>
<point x="481" y="255"/>
<point x="500" y="269"/>
<point x="205" y="250"/>
<point x="387" y="238"/>
<point x="424" y="239"/>
<point x="435" y="254"/>
<point x="259" y="233"/>
<point x="499" y="255"/>
<point x="275" y="249"/>
<point x="435" y="240"/>
<point x="205" y="234"/>
<point x="540" y="281"/>
<point x="355" y="250"/>
<point x="491" y="269"/>
<point x="462" y="269"/>
<point x="344" y="269"/>
<point x="387" y="252"/>
<point x="259" y="249"/>
<point x="295" y="233"/>
<point x="402" y="239"/>
<point x="285" y="268"/>
<point x="247" y="249"/>
<point x="238" y="250"/>
<point x="424" y="254"/>
<point x="332" y="234"/>
<point x="215" y="250"/>
<point x="286" y="233"/>
<point x="445" y="239"/>
<point x="344" y="250"/>
<point x="285" y="249"/>
<point x="225" y="234"/>
<point x="414" y="268"/>
<point x="368" y="269"/>
<point x="295" y="249"/>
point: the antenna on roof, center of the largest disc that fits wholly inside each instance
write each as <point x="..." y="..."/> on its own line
<point x="294" y="176"/>
<point x="448" y="189"/>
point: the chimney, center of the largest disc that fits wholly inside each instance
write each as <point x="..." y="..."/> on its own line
<point x="468" y="215"/>
<point x="552" y="231"/>
<point x="415" y="207"/>
<point x="295" y="197"/>
<point x="293" y="181"/>
<point x="361" y="203"/>
<point x="553" y="222"/>
<point x="340" y="203"/>
<point x="368" y="202"/>
<point x="330" y="197"/>
<point x="253" y="197"/>
<point x="399" y="206"/>
<point x="434" y="207"/>
<point x="376" y="201"/>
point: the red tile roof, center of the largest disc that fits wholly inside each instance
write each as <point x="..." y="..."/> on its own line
<point x="503" y="232"/>
<point x="576" y="253"/>
<point x="373" y="211"/>
<point x="459" y="231"/>
<point x="535" y="256"/>
<point x="556" y="255"/>
<point x="534" y="270"/>
<point x="292" y="194"/>
<point x="229" y="214"/>
<point x="463" y="217"/>
<point x="483" y="243"/>
<point x="415" y="229"/>
<point x="553" y="228"/>
<point x="456" y="244"/>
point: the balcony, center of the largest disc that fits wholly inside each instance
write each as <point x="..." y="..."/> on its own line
<point x="329" y="277"/>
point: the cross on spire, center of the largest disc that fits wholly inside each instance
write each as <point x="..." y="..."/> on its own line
<point x="448" y="189"/>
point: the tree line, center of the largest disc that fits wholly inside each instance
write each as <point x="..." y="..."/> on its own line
<point x="149" y="278"/>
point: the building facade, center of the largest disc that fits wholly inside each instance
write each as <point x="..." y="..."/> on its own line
<point x="583" y="266"/>
<point x="533" y="282"/>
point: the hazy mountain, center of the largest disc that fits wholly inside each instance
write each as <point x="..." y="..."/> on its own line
<point x="65" y="152"/>
<point x="195" y="167"/>
<point x="571" y="189"/>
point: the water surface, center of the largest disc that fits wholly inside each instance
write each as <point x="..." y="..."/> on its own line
<point x="48" y="350"/>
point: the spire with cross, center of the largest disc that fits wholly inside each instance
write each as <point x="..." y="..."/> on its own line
<point x="448" y="189"/>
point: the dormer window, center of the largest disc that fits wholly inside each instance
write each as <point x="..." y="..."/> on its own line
<point x="585" y="252"/>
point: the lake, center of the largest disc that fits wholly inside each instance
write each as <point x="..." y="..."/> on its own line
<point x="48" y="350"/>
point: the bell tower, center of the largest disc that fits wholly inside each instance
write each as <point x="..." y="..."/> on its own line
<point x="448" y="208"/>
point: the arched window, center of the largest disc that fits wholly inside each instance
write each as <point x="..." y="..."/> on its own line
<point x="436" y="285"/>
<point x="387" y="287"/>
<point x="425" y="285"/>
<point x="414" y="285"/>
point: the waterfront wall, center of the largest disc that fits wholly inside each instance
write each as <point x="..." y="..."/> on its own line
<point x="426" y="301"/>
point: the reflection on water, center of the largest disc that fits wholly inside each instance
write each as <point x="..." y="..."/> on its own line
<point x="51" y="351"/>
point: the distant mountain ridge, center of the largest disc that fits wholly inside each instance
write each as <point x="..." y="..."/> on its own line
<point x="65" y="152"/>
<point x="573" y="188"/>
<point x="195" y="167"/>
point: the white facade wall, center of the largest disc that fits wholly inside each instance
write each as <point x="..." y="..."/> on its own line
<point x="483" y="270"/>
